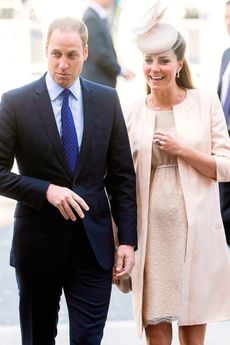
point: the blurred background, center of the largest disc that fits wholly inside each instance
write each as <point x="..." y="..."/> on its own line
<point x="23" y="26"/>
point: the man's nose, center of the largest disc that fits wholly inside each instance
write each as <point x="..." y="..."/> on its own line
<point x="63" y="64"/>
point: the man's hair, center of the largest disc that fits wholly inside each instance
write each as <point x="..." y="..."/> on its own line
<point x="68" y="24"/>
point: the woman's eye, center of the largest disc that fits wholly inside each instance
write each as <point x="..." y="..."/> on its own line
<point x="163" y="61"/>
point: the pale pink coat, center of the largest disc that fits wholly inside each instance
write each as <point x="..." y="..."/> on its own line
<point x="200" y="122"/>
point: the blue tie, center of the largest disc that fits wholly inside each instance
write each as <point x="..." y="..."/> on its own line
<point x="69" y="134"/>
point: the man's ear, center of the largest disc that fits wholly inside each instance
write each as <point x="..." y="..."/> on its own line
<point x="46" y="49"/>
<point x="86" y="52"/>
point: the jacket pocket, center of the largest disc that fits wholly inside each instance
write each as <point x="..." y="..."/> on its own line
<point x="103" y="206"/>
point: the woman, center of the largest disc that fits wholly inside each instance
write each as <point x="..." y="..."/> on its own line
<point x="181" y="151"/>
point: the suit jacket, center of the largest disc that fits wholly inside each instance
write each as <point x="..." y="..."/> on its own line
<point x="200" y="123"/>
<point x="28" y="131"/>
<point x="101" y="66"/>
<point x="225" y="187"/>
<point x="224" y="63"/>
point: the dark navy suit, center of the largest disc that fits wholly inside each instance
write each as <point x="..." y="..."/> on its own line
<point x="101" y="65"/>
<point x="225" y="186"/>
<point x="53" y="252"/>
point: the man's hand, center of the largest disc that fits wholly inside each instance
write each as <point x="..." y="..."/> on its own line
<point x="66" y="201"/>
<point x="124" y="261"/>
<point x="128" y="74"/>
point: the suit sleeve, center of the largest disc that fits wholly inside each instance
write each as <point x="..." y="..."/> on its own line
<point x="121" y="180"/>
<point x="30" y="191"/>
<point x="220" y="141"/>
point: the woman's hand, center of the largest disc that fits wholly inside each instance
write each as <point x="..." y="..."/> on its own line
<point x="204" y="163"/>
<point x="167" y="143"/>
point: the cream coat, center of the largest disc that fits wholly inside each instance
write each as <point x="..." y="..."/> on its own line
<point x="200" y="123"/>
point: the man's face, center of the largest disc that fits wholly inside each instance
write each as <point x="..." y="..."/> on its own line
<point x="66" y="55"/>
<point x="227" y="18"/>
<point x="106" y="3"/>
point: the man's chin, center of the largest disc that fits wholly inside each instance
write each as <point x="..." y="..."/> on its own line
<point x="63" y="82"/>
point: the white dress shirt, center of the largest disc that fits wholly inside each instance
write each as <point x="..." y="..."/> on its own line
<point x="75" y="103"/>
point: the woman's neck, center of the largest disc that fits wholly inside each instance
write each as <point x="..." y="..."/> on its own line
<point x="165" y="100"/>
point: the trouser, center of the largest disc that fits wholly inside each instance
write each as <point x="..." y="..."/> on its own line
<point x="87" y="289"/>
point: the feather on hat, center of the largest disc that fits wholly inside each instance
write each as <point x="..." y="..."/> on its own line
<point x="153" y="37"/>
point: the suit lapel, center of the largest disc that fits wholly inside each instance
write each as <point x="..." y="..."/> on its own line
<point x="225" y="62"/>
<point x="47" y="116"/>
<point x="89" y="108"/>
<point x="185" y="121"/>
<point x="46" y="113"/>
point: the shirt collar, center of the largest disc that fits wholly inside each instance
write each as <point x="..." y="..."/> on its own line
<point x="55" y="90"/>
<point x="99" y="9"/>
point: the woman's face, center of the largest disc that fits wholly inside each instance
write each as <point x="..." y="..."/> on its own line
<point x="160" y="70"/>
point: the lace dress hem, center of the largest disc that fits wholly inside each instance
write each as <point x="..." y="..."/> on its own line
<point x="168" y="319"/>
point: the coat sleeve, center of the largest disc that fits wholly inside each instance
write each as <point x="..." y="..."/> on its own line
<point x="30" y="191"/>
<point x="121" y="180"/>
<point x="220" y="141"/>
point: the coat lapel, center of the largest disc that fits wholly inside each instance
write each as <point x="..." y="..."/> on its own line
<point x="225" y="62"/>
<point x="45" y="110"/>
<point x="184" y="122"/>
<point x="89" y="108"/>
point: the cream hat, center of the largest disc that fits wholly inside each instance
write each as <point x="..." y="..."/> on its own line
<point x="154" y="37"/>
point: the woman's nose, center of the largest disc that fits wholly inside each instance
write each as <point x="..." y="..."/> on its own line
<point x="155" y="66"/>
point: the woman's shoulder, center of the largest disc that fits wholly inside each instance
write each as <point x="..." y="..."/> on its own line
<point x="133" y="105"/>
<point x="132" y="110"/>
<point x="202" y="95"/>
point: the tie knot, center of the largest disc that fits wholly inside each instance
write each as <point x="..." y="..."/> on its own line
<point x="66" y="93"/>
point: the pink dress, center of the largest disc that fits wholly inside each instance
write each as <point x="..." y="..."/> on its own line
<point x="167" y="233"/>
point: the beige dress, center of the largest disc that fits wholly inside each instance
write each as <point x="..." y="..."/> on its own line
<point x="167" y="233"/>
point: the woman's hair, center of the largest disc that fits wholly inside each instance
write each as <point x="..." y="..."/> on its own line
<point x="185" y="79"/>
<point x="67" y="24"/>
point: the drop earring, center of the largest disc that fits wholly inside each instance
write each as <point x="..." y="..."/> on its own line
<point x="178" y="75"/>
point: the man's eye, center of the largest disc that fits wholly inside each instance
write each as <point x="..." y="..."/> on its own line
<point x="56" y="54"/>
<point x="72" y="56"/>
<point x="148" y="61"/>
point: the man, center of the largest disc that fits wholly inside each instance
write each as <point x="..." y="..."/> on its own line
<point x="62" y="232"/>
<point x="224" y="94"/>
<point x="102" y="65"/>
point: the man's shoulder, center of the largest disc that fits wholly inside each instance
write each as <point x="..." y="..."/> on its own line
<point x="96" y="87"/>
<point x="25" y="89"/>
<point x="90" y="13"/>
<point x="226" y="52"/>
